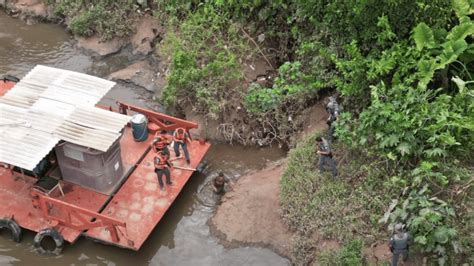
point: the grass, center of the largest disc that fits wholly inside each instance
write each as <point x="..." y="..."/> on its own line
<point x="345" y="209"/>
<point x="107" y="19"/>
<point x="350" y="255"/>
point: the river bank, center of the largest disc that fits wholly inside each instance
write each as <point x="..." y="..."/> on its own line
<point x="250" y="215"/>
<point x="251" y="76"/>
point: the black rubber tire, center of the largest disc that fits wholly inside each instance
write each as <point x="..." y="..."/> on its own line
<point x="57" y="238"/>
<point x="13" y="227"/>
<point x="10" y="78"/>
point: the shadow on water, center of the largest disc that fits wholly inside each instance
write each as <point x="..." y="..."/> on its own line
<point x="182" y="237"/>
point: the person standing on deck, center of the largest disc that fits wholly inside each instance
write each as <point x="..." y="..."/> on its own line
<point x="161" y="142"/>
<point x="181" y="138"/>
<point x="325" y="156"/>
<point x="162" y="167"/>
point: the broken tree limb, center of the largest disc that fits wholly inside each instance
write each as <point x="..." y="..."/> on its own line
<point x="258" y="47"/>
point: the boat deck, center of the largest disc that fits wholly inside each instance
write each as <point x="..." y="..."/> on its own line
<point x="136" y="199"/>
<point x="16" y="199"/>
<point x="141" y="203"/>
<point x="15" y="196"/>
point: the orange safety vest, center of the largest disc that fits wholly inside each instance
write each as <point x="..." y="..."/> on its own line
<point x="181" y="137"/>
<point x="161" y="161"/>
<point x="164" y="137"/>
<point x="161" y="144"/>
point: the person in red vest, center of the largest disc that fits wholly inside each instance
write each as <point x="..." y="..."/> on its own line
<point x="162" y="167"/>
<point x="181" y="138"/>
<point x="161" y="142"/>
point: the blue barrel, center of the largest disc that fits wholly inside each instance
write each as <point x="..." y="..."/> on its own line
<point x="139" y="127"/>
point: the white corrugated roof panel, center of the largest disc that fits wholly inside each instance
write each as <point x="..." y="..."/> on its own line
<point x="10" y="114"/>
<point x="24" y="147"/>
<point x="85" y="136"/>
<point x="99" y="119"/>
<point x="51" y="104"/>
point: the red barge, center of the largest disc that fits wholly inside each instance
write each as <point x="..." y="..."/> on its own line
<point x="69" y="167"/>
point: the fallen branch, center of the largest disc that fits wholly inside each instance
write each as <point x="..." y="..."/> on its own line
<point x="258" y="47"/>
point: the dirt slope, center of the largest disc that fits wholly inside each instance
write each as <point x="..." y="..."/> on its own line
<point x="251" y="213"/>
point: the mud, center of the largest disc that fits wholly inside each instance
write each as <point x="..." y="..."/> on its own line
<point x="96" y="45"/>
<point x="141" y="74"/>
<point x="250" y="215"/>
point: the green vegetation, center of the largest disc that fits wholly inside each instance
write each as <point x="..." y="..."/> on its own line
<point x="205" y="49"/>
<point x="344" y="209"/>
<point x="411" y="112"/>
<point x="106" y="18"/>
<point x="349" y="255"/>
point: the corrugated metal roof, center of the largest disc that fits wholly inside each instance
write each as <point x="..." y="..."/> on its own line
<point x="28" y="152"/>
<point x="85" y="136"/>
<point x="99" y="119"/>
<point x="51" y="104"/>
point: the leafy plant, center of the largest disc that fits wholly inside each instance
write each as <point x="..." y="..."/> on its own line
<point x="349" y="255"/>
<point x="204" y="61"/>
<point x="106" y="18"/>
<point x="429" y="219"/>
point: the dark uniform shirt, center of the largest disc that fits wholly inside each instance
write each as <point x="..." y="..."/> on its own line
<point x="324" y="147"/>
<point x="400" y="242"/>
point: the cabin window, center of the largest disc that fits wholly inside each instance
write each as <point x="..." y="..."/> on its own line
<point x="73" y="154"/>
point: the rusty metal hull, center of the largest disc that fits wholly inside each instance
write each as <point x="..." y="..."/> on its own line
<point x="141" y="204"/>
<point x="16" y="199"/>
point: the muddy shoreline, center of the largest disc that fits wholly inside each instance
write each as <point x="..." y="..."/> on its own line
<point x="250" y="214"/>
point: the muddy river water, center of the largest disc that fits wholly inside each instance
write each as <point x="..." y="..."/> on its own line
<point x="183" y="236"/>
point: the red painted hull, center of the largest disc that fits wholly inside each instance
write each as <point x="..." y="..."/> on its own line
<point x="140" y="203"/>
<point x="5" y="86"/>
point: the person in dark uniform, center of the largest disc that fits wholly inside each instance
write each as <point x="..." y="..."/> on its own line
<point x="219" y="184"/>
<point x="333" y="109"/>
<point x="399" y="244"/>
<point x="325" y="156"/>
<point x="162" y="167"/>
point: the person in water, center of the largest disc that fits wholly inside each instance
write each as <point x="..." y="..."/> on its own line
<point x="219" y="184"/>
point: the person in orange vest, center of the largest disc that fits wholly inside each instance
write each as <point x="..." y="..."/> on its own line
<point x="162" y="167"/>
<point x="161" y="142"/>
<point x="181" y="138"/>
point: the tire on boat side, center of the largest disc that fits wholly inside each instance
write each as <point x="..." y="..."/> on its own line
<point x="55" y="236"/>
<point x="10" y="78"/>
<point x="13" y="227"/>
